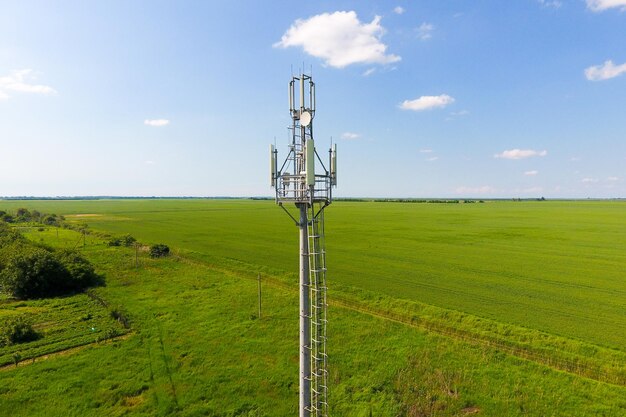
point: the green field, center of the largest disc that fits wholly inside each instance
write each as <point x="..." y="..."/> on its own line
<point x="557" y="267"/>
<point x="502" y="308"/>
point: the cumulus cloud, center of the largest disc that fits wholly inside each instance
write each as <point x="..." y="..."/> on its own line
<point x="601" y="5"/>
<point x="340" y="39"/>
<point x="156" y="122"/>
<point x="426" y="151"/>
<point x="398" y="10"/>
<point x="485" y="189"/>
<point x="433" y="158"/>
<point x="605" y="71"/>
<point x="350" y="136"/>
<point x="589" y="180"/>
<point x="425" y="31"/>
<point x="531" y="173"/>
<point x="427" y="102"/>
<point x="612" y="179"/>
<point x="21" y="81"/>
<point x="520" y="154"/>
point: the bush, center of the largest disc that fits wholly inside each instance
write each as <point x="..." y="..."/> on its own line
<point x="50" y="220"/>
<point x="159" y="250"/>
<point x="126" y="240"/>
<point x="115" y="241"/>
<point x="8" y="236"/>
<point x="17" y="330"/>
<point x="31" y="272"/>
<point x="82" y="273"/>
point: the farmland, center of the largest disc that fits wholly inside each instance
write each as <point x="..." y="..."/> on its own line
<point x="551" y="266"/>
<point x="500" y="308"/>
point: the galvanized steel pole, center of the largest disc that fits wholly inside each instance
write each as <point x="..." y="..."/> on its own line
<point x="305" y="314"/>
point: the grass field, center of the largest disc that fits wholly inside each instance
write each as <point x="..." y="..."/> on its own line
<point x="196" y="348"/>
<point x="557" y="267"/>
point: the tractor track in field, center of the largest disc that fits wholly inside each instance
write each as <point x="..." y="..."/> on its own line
<point x="580" y="368"/>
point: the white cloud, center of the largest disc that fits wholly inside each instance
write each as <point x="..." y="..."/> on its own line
<point x="550" y="3"/>
<point x="156" y="122"/>
<point x="520" y="154"/>
<point x="433" y="158"/>
<point x="426" y="151"/>
<point x="485" y="189"/>
<point x="340" y="39"/>
<point x="601" y="5"/>
<point x="350" y="136"/>
<point x="398" y="10"/>
<point x="20" y="81"/>
<point x="605" y="71"/>
<point x="531" y="173"/>
<point x="589" y="180"/>
<point x="460" y="113"/>
<point x="612" y="179"/>
<point x="425" y="31"/>
<point x="149" y="162"/>
<point x="427" y="102"/>
<point x="369" y="72"/>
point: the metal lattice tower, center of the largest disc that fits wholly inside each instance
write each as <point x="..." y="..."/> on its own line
<point x="311" y="192"/>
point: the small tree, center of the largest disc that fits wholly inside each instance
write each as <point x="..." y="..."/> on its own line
<point x="22" y="214"/>
<point x="128" y="240"/>
<point x="81" y="272"/>
<point x="159" y="250"/>
<point x="50" y="220"/>
<point x="17" y="330"/>
<point x="33" y="273"/>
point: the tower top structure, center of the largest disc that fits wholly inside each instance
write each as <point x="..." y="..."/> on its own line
<point x="298" y="180"/>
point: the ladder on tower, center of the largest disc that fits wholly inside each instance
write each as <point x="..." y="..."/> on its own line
<point x="317" y="297"/>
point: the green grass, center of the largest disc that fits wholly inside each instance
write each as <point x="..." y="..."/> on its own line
<point x="556" y="267"/>
<point x="197" y="348"/>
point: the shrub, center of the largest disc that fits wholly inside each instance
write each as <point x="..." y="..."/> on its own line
<point x="82" y="273"/>
<point x="17" y="330"/>
<point x="33" y="273"/>
<point x="8" y="236"/>
<point x="128" y="240"/>
<point x="115" y="241"/>
<point x="30" y="272"/>
<point x="159" y="250"/>
<point x="50" y="220"/>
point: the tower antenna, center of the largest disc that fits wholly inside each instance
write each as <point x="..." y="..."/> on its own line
<point x="298" y="182"/>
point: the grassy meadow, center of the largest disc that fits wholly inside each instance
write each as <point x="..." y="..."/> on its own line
<point x="496" y="309"/>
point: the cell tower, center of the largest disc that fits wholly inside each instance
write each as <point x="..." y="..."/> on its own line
<point x="311" y="192"/>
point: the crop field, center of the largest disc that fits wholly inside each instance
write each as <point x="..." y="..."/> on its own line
<point x="556" y="267"/>
<point x="501" y="308"/>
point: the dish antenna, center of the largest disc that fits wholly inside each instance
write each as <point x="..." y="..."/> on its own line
<point x="309" y="188"/>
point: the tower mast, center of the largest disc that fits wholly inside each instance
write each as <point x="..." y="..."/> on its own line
<point x="311" y="193"/>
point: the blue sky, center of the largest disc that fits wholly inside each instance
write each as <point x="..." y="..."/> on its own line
<point x="425" y="99"/>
